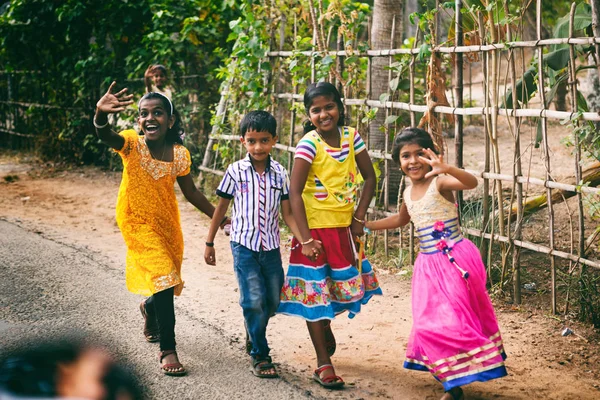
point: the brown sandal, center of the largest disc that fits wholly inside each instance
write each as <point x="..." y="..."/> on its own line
<point x="151" y="331"/>
<point x="172" y="369"/>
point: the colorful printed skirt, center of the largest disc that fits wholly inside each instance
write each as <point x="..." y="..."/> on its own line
<point x="330" y="285"/>
<point x="455" y="334"/>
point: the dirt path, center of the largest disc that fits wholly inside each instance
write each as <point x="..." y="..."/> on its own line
<point x="77" y="207"/>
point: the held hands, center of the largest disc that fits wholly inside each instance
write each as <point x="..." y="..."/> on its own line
<point x="357" y="228"/>
<point x="114" y="102"/>
<point x="438" y="166"/>
<point x="312" y="250"/>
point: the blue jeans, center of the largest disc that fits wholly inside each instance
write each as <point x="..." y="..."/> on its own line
<point x="260" y="278"/>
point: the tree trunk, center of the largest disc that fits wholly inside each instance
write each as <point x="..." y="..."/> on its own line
<point x="385" y="12"/>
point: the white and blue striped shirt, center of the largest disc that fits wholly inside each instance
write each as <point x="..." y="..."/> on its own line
<point x="256" y="199"/>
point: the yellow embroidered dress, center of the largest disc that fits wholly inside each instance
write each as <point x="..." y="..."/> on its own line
<point x="148" y="216"/>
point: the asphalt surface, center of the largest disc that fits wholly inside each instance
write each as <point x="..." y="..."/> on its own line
<point x="50" y="289"/>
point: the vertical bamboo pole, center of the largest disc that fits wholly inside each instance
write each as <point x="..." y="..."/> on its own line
<point x="413" y="122"/>
<point x="493" y="90"/>
<point x="221" y="112"/>
<point x="339" y="60"/>
<point x="386" y="167"/>
<point x="485" y="245"/>
<point x="596" y="27"/>
<point x="293" y="117"/>
<point x="546" y="147"/>
<point x="313" y="71"/>
<point x="469" y="118"/>
<point x="458" y="90"/>
<point x="574" y="108"/>
<point x="517" y="171"/>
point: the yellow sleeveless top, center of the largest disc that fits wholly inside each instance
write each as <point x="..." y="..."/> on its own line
<point x="331" y="187"/>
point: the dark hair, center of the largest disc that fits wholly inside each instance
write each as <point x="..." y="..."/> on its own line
<point x="175" y="134"/>
<point x="32" y="369"/>
<point x="159" y="67"/>
<point x="259" y="121"/>
<point x="411" y="136"/>
<point x="325" y="89"/>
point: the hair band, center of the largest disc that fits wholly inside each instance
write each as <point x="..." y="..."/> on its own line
<point x="144" y="97"/>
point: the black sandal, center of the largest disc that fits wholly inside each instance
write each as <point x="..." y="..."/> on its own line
<point x="151" y="331"/>
<point x="260" y="365"/>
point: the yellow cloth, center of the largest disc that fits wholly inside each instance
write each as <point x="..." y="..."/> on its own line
<point x="331" y="187"/>
<point x="148" y="216"/>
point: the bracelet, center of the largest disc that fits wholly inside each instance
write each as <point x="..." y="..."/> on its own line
<point x="307" y="242"/>
<point x="362" y="221"/>
<point x="100" y="126"/>
<point x="210" y="244"/>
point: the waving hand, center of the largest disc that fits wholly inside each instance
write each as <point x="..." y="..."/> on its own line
<point x="114" y="102"/>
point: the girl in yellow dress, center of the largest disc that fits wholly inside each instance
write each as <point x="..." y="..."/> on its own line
<point x="147" y="210"/>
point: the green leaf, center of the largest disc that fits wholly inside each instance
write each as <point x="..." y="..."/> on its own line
<point x="523" y="94"/>
<point x="581" y="20"/>
<point x="538" y="136"/>
<point x="424" y="52"/>
<point x="394" y="83"/>
<point x="582" y="104"/>
<point x="327" y="60"/>
<point x="558" y="59"/>
<point x="391" y="119"/>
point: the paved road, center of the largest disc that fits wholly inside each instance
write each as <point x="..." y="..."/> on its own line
<point x="49" y="288"/>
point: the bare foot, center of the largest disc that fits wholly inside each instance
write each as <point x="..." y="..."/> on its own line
<point x="453" y="394"/>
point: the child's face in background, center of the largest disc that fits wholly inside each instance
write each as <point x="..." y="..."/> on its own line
<point x="83" y="378"/>
<point x="411" y="163"/>
<point x="160" y="79"/>
<point x="154" y="119"/>
<point x="259" y="144"/>
<point x="324" y="114"/>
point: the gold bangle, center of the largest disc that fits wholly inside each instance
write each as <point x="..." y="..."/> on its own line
<point x="308" y="241"/>
<point x="362" y="221"/>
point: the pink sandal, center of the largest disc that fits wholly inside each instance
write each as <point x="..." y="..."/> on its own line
<point x="329" y="382"/>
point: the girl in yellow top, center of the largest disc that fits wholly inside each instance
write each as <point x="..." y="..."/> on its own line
<point x="325" y="277"/>
<point x="147" y="211"/>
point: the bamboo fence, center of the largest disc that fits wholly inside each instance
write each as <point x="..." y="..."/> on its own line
<point x="510" y="237"/>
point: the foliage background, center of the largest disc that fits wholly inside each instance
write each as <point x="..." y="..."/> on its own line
<point x="77" y="48"/>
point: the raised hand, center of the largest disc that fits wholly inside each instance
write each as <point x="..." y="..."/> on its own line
<point x="437" y="164"/>
<point x="114" y="102"/>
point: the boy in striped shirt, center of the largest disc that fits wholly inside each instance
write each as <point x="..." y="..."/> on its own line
<point x="259" y="188"/>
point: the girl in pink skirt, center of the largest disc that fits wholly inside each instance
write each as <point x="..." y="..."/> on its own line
<point x="455" y="334"/>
